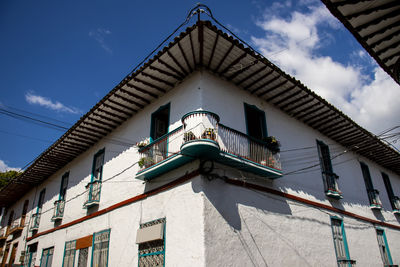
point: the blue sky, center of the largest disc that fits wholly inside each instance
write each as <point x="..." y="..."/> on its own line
<point x="59" y="58"/>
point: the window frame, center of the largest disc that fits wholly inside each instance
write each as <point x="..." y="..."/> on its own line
<point x="65" y="251"/>
<point x="344" y="240"/>
<point x="154" y="115"/>
<point x="160" y="220"/>
<point x="47" y="256"/>
<point x="389" y="190"/>
<point x="64" y="186"/>
<point x="93" y="245"/>
<point x="90" y="202"/>
<point x="382" y="231"/>
<point x="261" y="112"/>
<point x="325" y="159"/>
<point x="369" y="185"/>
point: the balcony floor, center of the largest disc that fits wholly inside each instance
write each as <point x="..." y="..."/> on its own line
<point x="206" y="149"/>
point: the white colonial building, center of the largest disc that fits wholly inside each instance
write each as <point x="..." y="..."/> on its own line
<point x="208" y="155"/>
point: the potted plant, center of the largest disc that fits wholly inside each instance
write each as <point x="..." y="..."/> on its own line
<point x="209" y="133"/>
<point x="272" y="144"/>
<point x="145" y="162"/>
<point x="143" y="143"/>
<point x="189" y="136"/>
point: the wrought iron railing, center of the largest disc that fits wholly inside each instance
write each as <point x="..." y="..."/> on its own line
<point x="374" y="199"/>
<point x="93" y="194"/>
<point x="58" y="209"/>
<point x="204" y="125"/>
<point x="237" y="143"/>
<point x="35" y="221"/>
<point x="346" y="263"/>
<point x="396" y="204"/>
<point x="161" y="148"/>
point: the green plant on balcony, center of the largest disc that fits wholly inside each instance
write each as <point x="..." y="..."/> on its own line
<point x="272" y="144"/>
<point x="188" y="136"/>
<point x="143" y="143"/>
<point x="145" y="162"/>
<point x="209" y="133"/>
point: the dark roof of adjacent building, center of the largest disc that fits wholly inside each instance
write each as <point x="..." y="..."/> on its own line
<point x="376" y="26"/>
<point x="202" y="46"/>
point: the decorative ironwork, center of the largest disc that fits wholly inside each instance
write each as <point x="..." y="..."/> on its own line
<point x="152" y="253"/>
<point x="59" y="206"/>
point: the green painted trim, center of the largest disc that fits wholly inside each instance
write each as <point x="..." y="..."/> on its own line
<point x="167" y="165"/>
<point x="264" y="121"/>
<point x="161" y="108"/>
<point x="200" y="112"/>
<point x="386" y="244"/>
<point x="108" y="246"/>
<point x="41" y="258"/>
<point x="346" y="249"/>
<point x="101" y="151"/>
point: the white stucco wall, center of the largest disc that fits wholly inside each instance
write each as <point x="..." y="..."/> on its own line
<point x="209" y="222"/>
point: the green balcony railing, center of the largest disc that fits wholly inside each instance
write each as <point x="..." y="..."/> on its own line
<point x="35" y="221"/>
<point x="93" y="194"/>
<point x="375" y="201"/>
<point x="58" y="212"/>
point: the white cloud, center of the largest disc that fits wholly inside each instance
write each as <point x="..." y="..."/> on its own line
<point x="293" y="42"/>
<point x="4" y="167"/>
<point x="99" y="35"/>
<point x="48" y="103"/>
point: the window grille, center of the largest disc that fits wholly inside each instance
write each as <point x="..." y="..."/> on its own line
<point x="152" y="253"/>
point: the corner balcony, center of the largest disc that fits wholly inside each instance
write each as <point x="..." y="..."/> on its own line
<point x="375" y="201"/>
<point x="35" y="221"/>
<point x="332" y="186"/>
<point x="93" y="194"/>
<point x="58" y="210"/>
<point x="202" y="136"/>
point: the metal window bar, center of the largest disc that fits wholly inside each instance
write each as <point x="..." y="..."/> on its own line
<point x="396" y="203"/>
<point x="331" y="181"/>
<point x="35" y="221"/>
<point x="161" y="148"/>
<point x="374" y="199"/>
<point x="59" y="206"/>
<point x="152" y="253"/>
<point x="93" y="195"/>
<point x="346" y="263"/>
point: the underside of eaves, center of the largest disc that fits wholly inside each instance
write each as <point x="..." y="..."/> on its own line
<point x="376" y="26"/>
<point x="201" y="46"/>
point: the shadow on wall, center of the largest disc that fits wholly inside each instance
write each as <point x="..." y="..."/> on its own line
<point x="226" y="200"/>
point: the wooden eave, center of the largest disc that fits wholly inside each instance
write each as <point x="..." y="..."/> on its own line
<point x="376" y="26"/>
<point x="201" y="46"/>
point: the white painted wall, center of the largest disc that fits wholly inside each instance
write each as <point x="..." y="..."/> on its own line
<point x="212" y="223"/>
